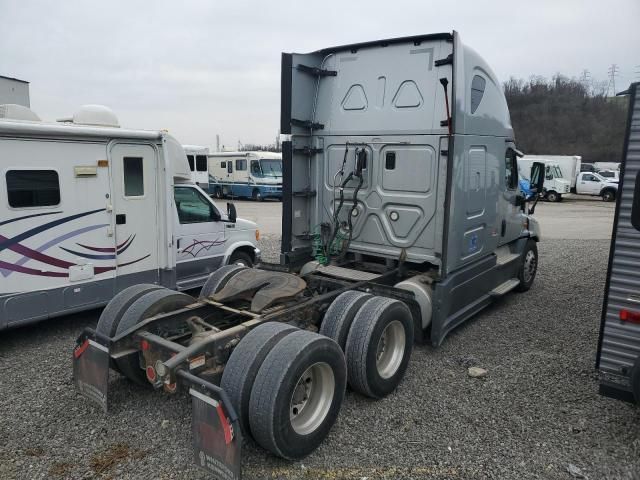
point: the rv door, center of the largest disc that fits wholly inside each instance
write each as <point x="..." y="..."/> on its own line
<point x="135" y="213"/>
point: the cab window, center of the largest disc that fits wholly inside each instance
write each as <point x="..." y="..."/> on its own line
<point x="255" y="168"/>
<point x="511" y="170"/>
<point x="201" y="163"/>
<point x="191" y="164"/>
<point x="193" y="207"/>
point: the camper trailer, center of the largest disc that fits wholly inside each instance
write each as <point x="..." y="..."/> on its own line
<point x="89" y="208"/>
<point x="618" y="356"/>
<point x="256" y="175"/>
<point x="402" y="218"/>
<point x="197" y="158"/>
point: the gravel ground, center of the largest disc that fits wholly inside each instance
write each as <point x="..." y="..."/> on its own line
<point x="535" y="413"/>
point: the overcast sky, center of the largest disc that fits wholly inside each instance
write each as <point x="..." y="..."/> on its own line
<point x="201" y="68"/>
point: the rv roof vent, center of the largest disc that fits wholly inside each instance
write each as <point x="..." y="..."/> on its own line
<point x="97" y="115"/>
<point x="11" y="111"/>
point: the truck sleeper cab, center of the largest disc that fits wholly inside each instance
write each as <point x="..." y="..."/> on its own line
<point x="89" y="208"/>
<point x="402" y="218"/>
<point x="256" y="175"/>
<point x="198" y="165"/>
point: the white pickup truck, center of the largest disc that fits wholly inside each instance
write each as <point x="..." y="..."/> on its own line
<point x="590" y="183"/>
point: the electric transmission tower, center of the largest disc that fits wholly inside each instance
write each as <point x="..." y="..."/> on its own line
<point x="614" y="71"/>
<point x="585" y="80"/>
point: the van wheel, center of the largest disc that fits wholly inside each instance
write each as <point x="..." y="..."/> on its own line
<point x="379" y="346"/>
<point x="217" y="192"/>
<point x="553" y="197"/>
<point x="339" y="316"/>
<point x="297" y="394"/>
<point x="608" y="196"/>
<point x="246" y="359"/>
<point x="112" y="313"/>
<point x="241" y="258"/>
<point x="218" y="279"/>
<point x="529" y="267"/>
<point x="150" y="304"/>
<point x="256" y="195"/>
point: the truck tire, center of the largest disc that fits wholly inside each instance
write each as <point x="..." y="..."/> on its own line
<point x="297" y="394"/>
<point x="242" y="259"/>
<point x="242" y="367"/>
<point x="256" y="195"/>
<point x="635" y="380"/>
<point x="112" y="313"/>
<point x="379" y="346"/>
<point x="608" y="195"/>
<point x="218" y="279"/>
<point x="150" y="304"/>
<point x="338" y="317"/>
<point x="529" y="267"/>
<point x="553" y="196"/>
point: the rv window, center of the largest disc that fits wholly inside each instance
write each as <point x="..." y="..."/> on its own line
<point x="133" y="177"/>
<point x="192" y="206"/>
<point x="477" y="91"/>
<point x="390" y="161"/>
<point x="190" y="159"/>
<point x="241" y="164"/>
<point x="510" y="169"/>
<point x="223" y="164"/>
<point x="229" y="166"/>
<point x="201" y="163"/>
<point x="33" y="188"/>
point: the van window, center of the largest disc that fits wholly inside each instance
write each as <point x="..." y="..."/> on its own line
<point x="190" y="160"/>
<point x="510" y="169"/>
<point x="192" y="206"/>
<point x="241" y="164"/>
<point x="201" y="163"/>
<point x="33" y="188"/>
<point x="477" y="91"/>
<point x="223" y="164"/>
<point x="133" y="177"/>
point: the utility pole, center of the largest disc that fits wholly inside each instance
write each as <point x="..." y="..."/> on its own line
<point x="217" y="143"/>
<point x="614" y="71"/>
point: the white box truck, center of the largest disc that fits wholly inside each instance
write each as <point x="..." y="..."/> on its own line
<point x="88" y="208"/>
<point x="256" y="175"/>
<point x="555" y="183"/>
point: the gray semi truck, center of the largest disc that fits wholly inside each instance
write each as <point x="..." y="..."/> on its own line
<point x="618" y="356"/>
<point x="402" y="218"/>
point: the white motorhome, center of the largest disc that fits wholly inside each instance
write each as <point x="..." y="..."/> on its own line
<point x="197" y="158"/>
<point x="88" y="208"/>
<point x="256" y="175"/>
<point x="555" y="185"/>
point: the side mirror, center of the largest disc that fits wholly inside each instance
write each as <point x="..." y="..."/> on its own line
<point x="520" y="200"/>
<point x="537" y="177"/>
<point x="231" y="212"/>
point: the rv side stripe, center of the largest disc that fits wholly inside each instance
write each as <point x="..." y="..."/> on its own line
<point x="27" y="216"/>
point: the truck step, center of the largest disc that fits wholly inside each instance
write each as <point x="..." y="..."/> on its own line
<point x="505" y="287"/>
<point x="345" y="273"/>
<point x="504" y="258"/>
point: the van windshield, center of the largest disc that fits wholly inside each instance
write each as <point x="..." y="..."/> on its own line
<point x="271" y="168"/>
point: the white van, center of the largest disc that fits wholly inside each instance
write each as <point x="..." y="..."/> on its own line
<point x="256" y="175"/>
<point x="88" y="208"/>
<point x="197" y="158"/>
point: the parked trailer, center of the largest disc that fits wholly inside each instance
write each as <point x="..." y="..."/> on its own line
<point x="256" y="175"/>
<point x="618" y="357"/>
<point x="198" y="164"/>
<point x="401" y="219"/>
<point x="88" y="208"/>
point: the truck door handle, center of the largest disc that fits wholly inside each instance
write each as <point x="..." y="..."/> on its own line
<point x="121" y="219"/>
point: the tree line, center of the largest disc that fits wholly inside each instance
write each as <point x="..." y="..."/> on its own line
<point x="563" y="116"/>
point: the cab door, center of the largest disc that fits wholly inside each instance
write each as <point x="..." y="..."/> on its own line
<point x="200" y="234"/>
<point x="135" y="208"/>
<point x="511" y="222"/>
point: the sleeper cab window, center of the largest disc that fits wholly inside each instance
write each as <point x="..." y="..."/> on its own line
<point x="241" y="164"/>
<point x="201" y="163"/>
<point x="477" y="91"/>
<point x="191" y="164"/>
<point x="511" y="169"/>
<point x="33" y="188"/>
<point x="133" y="177"/>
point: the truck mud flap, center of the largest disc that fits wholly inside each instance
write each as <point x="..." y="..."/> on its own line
<point x="91" y="369"/>
<point x="217" y="440"/>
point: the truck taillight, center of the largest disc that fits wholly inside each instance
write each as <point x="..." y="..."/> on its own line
<point x="629" y="316"/>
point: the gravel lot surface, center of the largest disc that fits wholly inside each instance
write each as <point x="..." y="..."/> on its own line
<point x="534" y="414"/>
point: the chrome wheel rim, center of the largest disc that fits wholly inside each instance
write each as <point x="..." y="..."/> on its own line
<point x="530" y="264"/>
<point x="312" y="398"/>
<point x="390" y="351"/>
